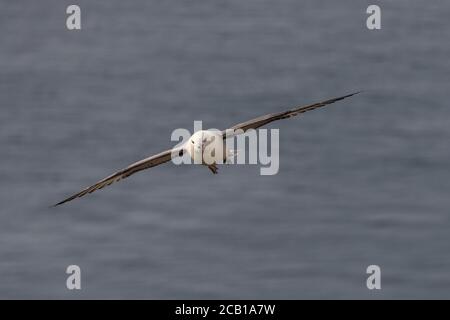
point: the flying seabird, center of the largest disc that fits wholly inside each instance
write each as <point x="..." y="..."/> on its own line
<point x="196" y="145"/>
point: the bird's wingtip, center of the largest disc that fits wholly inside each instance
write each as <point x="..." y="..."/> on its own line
<point x="60" y="203"/>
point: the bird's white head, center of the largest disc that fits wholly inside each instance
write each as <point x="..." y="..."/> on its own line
<point x="197" y="142"/>
<point x="205" y="145"/>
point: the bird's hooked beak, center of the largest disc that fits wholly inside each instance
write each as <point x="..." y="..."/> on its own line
<point x="205" y="143"/>
<point x="199" y="147"/>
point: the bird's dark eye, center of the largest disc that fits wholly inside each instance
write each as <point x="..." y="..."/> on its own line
<point x="192" y="141"/>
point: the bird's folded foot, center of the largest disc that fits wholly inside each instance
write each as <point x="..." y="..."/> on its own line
<point x="213" y="168"/>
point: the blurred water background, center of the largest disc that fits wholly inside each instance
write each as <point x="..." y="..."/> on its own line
<point x="363" y="182"/>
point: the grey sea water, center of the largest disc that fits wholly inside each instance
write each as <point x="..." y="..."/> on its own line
<point x="365" y="181"/>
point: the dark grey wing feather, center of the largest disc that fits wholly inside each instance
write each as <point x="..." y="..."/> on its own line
<point x="128" y="171"/>
<point x="263" y="120"/>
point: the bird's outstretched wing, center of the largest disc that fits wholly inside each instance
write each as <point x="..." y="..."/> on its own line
<point x="122" y="174"/>
<point x="263" y="120"/>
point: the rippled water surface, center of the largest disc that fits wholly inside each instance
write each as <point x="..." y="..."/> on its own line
<point x="363" y="182"/>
